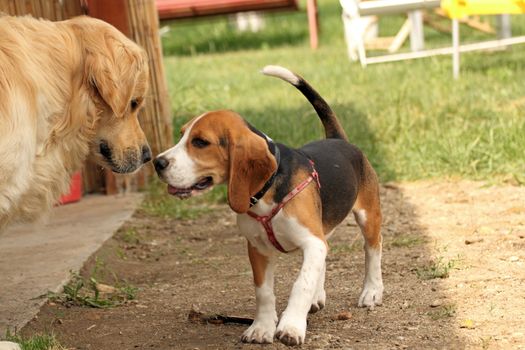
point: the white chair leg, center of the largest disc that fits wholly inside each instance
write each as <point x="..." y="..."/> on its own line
<point x="351" y="46"/>
<point x="455" y="48"/>
<point x="504" y="27"/>
<point x="417" y="37"/>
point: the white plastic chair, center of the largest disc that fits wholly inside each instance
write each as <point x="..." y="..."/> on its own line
<point x="356" y="23"/>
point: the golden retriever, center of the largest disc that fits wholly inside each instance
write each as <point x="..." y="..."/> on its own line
<point x="68" y="90"/>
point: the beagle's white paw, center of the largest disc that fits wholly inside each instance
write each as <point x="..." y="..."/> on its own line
<point x="291" y="331"/>
<point x="371" y="295"/>
<point x="259" y="333"/>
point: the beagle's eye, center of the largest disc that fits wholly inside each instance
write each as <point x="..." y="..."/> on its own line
<point x="199" y="143"/>
<point x="134" y="104"/>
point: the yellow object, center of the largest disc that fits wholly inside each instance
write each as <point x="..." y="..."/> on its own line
<point x="463" y="8"/>
<point x="468" y="323"/>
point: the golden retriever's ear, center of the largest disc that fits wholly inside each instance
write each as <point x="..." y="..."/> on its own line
<point x="251" y="165"/>
<point x="113" y="69"/>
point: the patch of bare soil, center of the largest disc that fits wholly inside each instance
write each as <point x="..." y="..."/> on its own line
<point x="471" y="235"/>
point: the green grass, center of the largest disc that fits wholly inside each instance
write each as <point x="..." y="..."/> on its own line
<point x="84" y="292"/>
<point x="411" y="119"/>
<point x="35" y="342"/>
<point x="158" y="203"/>
<point x="442" y="312"/>
<point x="345" y="248"/>
<point x="406" y="241"/>
<point x="216" y="34"/>
<point x="129" y="236"/>
<point x="438" y="268"/>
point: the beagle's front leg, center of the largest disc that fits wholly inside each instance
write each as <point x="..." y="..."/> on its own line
<point x="262" y="329"/>
<point x="292" y="326"/>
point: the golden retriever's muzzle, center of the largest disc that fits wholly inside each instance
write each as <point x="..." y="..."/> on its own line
<point x="129" y="159"/>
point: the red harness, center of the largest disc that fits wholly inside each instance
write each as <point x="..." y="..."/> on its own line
<point x="266" y="220"/>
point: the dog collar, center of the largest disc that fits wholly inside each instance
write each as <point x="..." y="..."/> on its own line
<point x="276" y="153"/>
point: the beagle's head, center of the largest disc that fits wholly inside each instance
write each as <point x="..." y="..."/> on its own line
<point x="217" y="147"/>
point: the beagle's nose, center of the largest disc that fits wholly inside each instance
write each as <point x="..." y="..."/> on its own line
<point x="160" y="164"/>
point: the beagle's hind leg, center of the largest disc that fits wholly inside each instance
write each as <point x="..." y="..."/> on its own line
<point x="367" y="212"/>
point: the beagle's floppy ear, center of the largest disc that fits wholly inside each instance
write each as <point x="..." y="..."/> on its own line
<point x="113" y="69"/>
<point x="251" y="165"/>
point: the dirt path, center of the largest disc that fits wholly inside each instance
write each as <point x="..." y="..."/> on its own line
<point x="203" y="262"/>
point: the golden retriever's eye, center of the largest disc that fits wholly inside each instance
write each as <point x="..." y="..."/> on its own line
<point x="199" y="143"/>
<point x="134" y="104"/>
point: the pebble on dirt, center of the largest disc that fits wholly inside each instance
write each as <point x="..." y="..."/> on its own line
<point x="473" y="240"/>
<point x="436" y="303"/>
<point x="342" y="316"/>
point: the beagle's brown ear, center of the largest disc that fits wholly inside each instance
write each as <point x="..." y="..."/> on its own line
<point x="251" y="165"/>
<point x="113" y="68"/>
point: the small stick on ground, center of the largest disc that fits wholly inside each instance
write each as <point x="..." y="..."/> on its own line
<point x="196" y="316"/>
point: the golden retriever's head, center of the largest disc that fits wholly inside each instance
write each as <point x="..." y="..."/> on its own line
<point x="116" y="74"/>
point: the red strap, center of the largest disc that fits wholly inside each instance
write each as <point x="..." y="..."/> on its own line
<point x="266" y="220"/>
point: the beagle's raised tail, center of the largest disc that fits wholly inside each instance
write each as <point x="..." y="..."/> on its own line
<point x="332" y="127"/>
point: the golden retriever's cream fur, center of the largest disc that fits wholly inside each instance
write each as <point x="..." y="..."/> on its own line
<point x="68" y="90"/>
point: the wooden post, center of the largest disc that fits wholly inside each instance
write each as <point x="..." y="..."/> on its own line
<point x="113" y="12"/>
<point x="313" y="25"/>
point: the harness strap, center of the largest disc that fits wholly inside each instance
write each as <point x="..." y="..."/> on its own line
<point x="266" y="220"/>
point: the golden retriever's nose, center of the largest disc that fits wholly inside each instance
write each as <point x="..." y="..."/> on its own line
<point x="146" y="154"/>
<point x="160" y="164"/>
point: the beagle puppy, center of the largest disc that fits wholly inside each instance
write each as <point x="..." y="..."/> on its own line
<point x="286" y="199"/>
